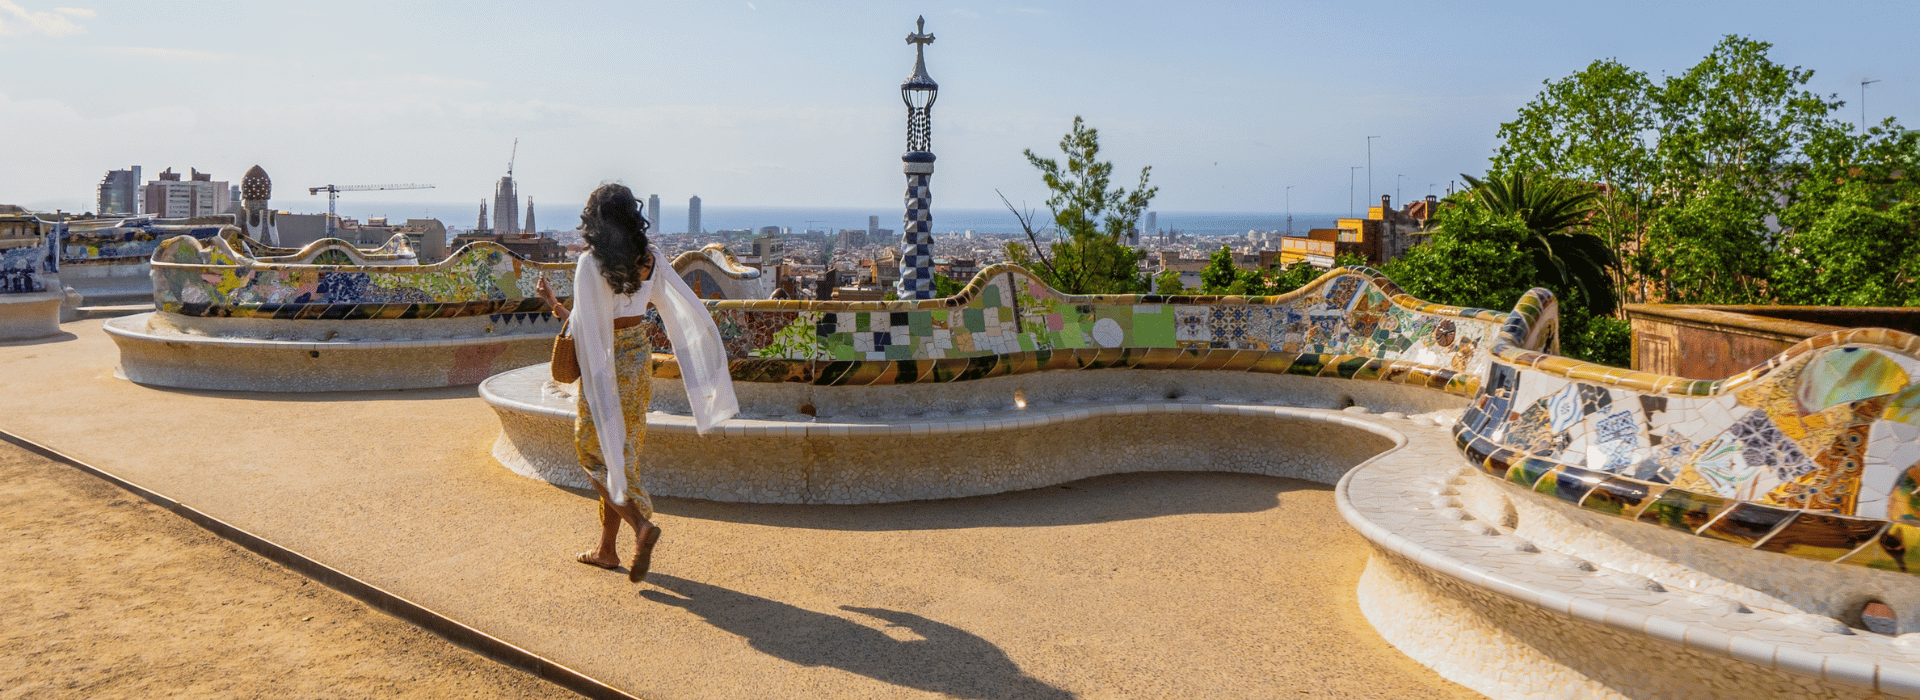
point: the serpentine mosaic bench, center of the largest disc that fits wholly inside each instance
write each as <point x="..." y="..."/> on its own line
<point x="398" y="250"/>
<point x="1012" y="385"/>
<point x="30" y="289"/>
<point x="226" y="320"/>
<point x="1609" y="533"/>
<point x="1541" y="527"/>
<point x="107" y="260"/>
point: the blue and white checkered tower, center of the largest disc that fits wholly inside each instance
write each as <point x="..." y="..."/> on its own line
<point x="916" y="238"/>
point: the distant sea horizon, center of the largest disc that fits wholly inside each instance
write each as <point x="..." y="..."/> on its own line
<point x="831" y="219"/>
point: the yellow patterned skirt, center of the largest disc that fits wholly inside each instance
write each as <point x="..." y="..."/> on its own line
<point x="633" y="368"/>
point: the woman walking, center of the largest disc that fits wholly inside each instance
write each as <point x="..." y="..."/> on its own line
<point x="613" y="282"/>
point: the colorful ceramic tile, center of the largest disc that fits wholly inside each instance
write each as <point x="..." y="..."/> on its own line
<point x="1529" y="470"/>
<point x="1904" y="406"/>
<point x="1718" y="468"/>
<point x="1564" y="409"/>
<point x="1762" y="445"/>
<point x="1621" y="496"/>
<point x="1895" y="549"/>
<point x="1823" y="536"/>
<point x="1747" y="523"/>
<point x="1684" y="510"/>
<point x="1847" y="374"/>
<point x="1572" y="484"/>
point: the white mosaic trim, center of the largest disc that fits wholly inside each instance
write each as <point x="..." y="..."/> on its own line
<point x="985" y="450"/>
<point x="505" y="392"/>
<point x="138" y="329"/>
<point x="1407" y="503"/>
<point x="252" y="364"/>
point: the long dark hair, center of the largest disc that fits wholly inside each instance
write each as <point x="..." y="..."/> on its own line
<point x="613" y="226"/>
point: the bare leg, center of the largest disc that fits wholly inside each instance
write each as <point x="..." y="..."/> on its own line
<point x="645" y="535"/>
<point x="605" y="555"/>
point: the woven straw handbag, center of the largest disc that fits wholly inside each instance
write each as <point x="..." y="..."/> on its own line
<point x="566" y="365"/>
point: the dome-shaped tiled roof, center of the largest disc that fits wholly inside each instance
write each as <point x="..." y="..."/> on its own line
<point x="256" y="185"/>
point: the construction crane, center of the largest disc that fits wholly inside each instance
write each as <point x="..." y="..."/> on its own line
<point x="333" y="195"/>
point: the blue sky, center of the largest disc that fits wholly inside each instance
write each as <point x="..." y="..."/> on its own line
<point x="789" y="103"/>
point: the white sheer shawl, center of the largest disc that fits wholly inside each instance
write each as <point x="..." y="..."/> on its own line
<point x="696" y="347"/>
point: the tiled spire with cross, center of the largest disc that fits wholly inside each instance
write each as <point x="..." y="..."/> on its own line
<point x="916" y="237"/>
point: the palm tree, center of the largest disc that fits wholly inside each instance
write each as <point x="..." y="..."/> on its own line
<point x="1554" y="210"/>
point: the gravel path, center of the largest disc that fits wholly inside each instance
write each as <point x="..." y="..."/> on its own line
<point x="105" y="595"/>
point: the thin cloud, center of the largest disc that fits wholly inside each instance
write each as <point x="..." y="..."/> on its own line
<point x="166" y="54"/>
<point x="18" y="21"/>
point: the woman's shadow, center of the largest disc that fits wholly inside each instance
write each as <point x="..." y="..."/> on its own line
<point x="946" y="659"/>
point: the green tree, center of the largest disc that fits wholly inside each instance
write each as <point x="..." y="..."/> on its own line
<point x="1090" y="219"/>
<point x="1868" y="168"/>
<point x="1219" y="273"/>
<point x="1472" y="259"/>
<point x="1843" y="258"/>
<point x="1736" y="123"/>
<point x="1593" y="126"/>
<point x="1476" y="258"/>
<point x="1251" y="283"/>
<point x="1589" y="126"/>
<point x="1168" y="283"/>
<point x="1297" y="275"/>
<point x="1552" y="208"/>
<point x="1704" y="175"/>
<point x="945" y="287"/>
<point x="1709" y="250"/>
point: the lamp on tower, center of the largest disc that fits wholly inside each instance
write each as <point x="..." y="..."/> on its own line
<point x="919" y="91"/>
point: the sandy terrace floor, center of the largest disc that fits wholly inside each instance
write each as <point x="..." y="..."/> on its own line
<point x="109" y="596"/>
<point x="1145" y="585"/>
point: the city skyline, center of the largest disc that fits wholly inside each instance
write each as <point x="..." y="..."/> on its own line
<point x="1229" y="103"/>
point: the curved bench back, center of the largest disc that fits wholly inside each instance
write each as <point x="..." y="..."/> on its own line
<point x="714" y="273"/>
<point x="397" y="250"/>
<point x="1351" y="323"/>
<point x="1814" y="453"/>
<point x="130" y="241"/>
<point x="211" y="278"/>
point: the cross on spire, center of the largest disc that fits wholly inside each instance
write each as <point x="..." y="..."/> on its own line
<point x="920" y="38"/>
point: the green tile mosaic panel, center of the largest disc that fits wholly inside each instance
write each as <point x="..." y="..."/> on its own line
<point x="1352" y="323"/>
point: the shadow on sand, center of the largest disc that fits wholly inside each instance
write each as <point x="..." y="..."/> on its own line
<point x="441" y="393"/>
<point x="945" y="659"/>
<point x="60" y="337"/>
<point x="1101" y="499"/>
